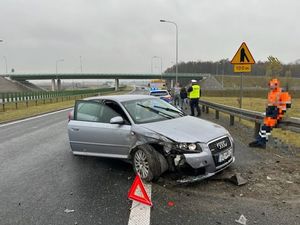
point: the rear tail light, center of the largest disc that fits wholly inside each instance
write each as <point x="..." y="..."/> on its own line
<point x="69" y="116"/>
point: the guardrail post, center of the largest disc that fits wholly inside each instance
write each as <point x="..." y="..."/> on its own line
<point x="207" y="109"/>
<point x="231" y="120"/>
<point x="3" y="107"/>
<point x="16" y="105"/>
<point x="217" y="114"/>
<point x="256" y="129"/>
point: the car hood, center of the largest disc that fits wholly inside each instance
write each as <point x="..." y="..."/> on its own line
<point x="187" y="129"/>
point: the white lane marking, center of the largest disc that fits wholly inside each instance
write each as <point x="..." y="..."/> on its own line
<point x="35" y="117"/>
<point x="140" y="213"/>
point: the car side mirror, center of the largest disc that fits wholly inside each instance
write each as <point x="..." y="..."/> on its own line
<point x="117" y="120"/>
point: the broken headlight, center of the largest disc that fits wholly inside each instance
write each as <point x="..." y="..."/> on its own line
<point x="193" y="147"/>
<point x="169" y="145"/>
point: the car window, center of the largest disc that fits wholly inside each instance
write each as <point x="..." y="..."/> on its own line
<point x="88" y="111"/>
<point x="117" y="108"/>
<point x="150" y="110"/>
<point x="94" y="112"/>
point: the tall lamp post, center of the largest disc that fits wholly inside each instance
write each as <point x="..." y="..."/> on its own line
<point x="166" y="21"/>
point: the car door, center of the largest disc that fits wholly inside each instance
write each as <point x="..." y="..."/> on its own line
<point x="91" y="133"/>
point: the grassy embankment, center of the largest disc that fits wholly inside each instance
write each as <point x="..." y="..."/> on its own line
<point x="259" y="104"/>
<point x="11" y="113"/>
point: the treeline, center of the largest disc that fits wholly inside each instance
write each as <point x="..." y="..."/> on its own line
<point x="270" y="67"/>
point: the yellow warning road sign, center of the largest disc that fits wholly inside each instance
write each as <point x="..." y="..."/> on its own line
<point x="243" y="56"/>
<point x="242" y="68"/>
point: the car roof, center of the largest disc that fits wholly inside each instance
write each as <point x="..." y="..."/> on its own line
<point x="120" y="98"/>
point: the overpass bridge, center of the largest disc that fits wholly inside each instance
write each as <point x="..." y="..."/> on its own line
<point x="56" y="78"/>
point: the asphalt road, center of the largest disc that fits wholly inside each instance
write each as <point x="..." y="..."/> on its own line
<point x="40" y="179"/>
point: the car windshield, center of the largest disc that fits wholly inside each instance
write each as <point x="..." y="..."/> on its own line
<point x="151" y="110"/>
<point x="159" y="93"/>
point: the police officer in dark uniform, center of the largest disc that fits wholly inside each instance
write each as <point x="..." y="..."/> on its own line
<point x="194" y="93"/>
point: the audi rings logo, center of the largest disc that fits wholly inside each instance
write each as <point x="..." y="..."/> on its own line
<point x="222" y="144"/>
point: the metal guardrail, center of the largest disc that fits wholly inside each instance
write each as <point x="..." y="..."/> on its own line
<point x="15" y="100"/>
<point x="33" y="95"/>
<point x="292" y="123"/>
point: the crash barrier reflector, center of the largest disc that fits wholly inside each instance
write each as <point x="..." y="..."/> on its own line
<point x="143" y="197"/>
<point x="292" y="124"/>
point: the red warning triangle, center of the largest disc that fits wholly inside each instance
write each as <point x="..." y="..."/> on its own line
<point x="143" y="198"/>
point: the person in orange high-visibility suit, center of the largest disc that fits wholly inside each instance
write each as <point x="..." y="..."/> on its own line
<point x="278" y="102"/>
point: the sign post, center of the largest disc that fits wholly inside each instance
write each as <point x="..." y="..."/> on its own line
<point x="242" y="61"/>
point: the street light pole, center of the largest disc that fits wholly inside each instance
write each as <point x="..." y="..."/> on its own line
<point x="166" y="21"/>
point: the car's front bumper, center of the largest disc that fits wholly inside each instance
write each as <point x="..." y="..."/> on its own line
<point x="190" y="179"/>
<point x="207" y="161"/>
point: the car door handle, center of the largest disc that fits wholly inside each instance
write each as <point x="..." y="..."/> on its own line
<point x="75" y="129"/>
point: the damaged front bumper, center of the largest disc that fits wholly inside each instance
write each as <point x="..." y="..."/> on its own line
<point x="206" y="161"/>
<point x="191" y="179"/>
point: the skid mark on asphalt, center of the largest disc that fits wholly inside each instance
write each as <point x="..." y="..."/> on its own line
<point x="140" y="213"/>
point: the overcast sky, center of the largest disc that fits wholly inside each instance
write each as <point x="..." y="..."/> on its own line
<point x="121" y="36"/>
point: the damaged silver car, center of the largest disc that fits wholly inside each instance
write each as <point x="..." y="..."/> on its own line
<point x="151" y="133"/>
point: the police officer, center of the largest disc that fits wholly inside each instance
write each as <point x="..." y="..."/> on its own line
<point x="194" y="94"/>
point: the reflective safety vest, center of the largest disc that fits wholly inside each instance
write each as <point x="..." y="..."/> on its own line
<point x="196" y="91"/>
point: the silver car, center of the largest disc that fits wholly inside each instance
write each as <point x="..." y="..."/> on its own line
<point x="151" y="133"/>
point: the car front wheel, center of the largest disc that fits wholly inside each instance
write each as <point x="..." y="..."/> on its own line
<point x="146" y="163"/>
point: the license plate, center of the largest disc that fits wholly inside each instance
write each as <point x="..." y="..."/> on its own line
<point x="225" y="155"/>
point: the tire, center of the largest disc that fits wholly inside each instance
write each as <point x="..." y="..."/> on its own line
<point x="146" y="163"/>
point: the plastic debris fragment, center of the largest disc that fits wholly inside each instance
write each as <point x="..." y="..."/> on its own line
<point x="69" y="210"/>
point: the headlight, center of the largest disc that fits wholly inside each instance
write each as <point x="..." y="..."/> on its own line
<point x="192" y="147"/>
<point x="188" y="146"/>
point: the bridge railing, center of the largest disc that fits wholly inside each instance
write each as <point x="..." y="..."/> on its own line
<point x="292" y="123"/>
<point x="14" y="100"/>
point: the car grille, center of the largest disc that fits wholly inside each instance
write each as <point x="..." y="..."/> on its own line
<point x="219" y="146"/>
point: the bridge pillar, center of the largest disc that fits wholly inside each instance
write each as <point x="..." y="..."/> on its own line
<point x="53" y="85"/>
<point x="116" y="84"/>
<point x="59" y="84"/>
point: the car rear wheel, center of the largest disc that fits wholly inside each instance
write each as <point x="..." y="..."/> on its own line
<point x="146" y="163"/>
